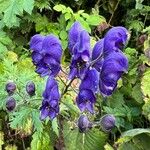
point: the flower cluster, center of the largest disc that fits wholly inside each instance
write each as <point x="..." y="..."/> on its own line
<point x="46" y="56"/>
<point x="99" y="69"/>
<point x="102" y="68"/>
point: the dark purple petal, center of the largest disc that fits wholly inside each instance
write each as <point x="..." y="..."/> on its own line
<point x="52" y="46"/>
<point x="116" y="61"/>
<point x="78" y="68"/>
<point x="115" y="39"/>
<point x="82" y="48"/>
<point x="51" y="83"/>
<point x="44" y="113"/>
<point x="90" y="81"/>
<point x="98" y="49"/>
<point x="36" y="43"/>
<point x="74" y="33"/>
<point x="107" y="90"/>
<point x="86" y="100"/>
<point x="52" y="114"/>
<point x="36" y="57"/>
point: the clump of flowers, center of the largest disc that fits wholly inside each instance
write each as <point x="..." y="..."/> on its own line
<point x="99" y="69"/>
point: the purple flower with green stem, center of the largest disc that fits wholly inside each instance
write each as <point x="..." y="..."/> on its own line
<point x="46" y="54"/>
<point x="51" y="97"/>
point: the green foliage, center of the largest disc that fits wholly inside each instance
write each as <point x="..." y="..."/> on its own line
<point x="74" y="140"/>
<point x="14" y="8"/>
<point x="130" y="103"/>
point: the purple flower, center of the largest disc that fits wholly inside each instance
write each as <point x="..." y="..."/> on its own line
<point x="115" y="39"/>
<point x="46" y="54"/>
<point x="74" y="33"/>
<point x="51" y="97"/>
<point x="80" y="55"/>
<point x="107" y="122"/>
<point x="90" y="81"/>
<point x="88" y="87"/>
<point x="84" y="124"/>
<point x="97" y="55"/>
<point x="114" y="66"/>
<point x="85" y="100"/>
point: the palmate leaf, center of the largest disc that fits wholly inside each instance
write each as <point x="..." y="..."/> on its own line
<point x="14" y="8"/>
<point x="93" y="139"/>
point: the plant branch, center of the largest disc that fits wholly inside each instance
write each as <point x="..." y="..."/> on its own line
<point x="66" y="88"/>
<point x="113" y="12"/>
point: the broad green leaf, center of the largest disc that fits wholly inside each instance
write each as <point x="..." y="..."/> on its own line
<point x="94" y="139"/>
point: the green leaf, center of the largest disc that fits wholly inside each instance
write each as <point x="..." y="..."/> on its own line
<point x="67" y="16"/>
<point x="36" y="121"/>
<point x="137" y="94"/>
<point x="41" y="141"/>
<point x="28" y="5"/>
<point x="94" y="139"/>
<point x="95" y="20"/>
<point x="145" y="86"/>
<point x="59" y="7"/>
<point x="55" y="126"/>
<point x="134" y="132"/>
<point x="15" y="8"/>
<point x="63" y="35"/>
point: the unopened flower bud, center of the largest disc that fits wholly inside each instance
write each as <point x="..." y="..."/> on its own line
<point x="107" y="122"/>
<point x="30" y="88"/>
<point x="10" y="87"/>
<point x="10" y="104"/>
<point x="84" y="124"/>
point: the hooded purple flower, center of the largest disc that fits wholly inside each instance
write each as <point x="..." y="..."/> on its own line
<point x="114" y="66"/>
<point x="115" y="39"/>
<point x="88" y="87"/>
<point x="46" y="54"/>
<point x="80" y="55"/>
<point x="73" y="36"/>
<point x="51" y="96"/>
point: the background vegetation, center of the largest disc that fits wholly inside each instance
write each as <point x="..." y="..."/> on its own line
<point x="130" y="103"/>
